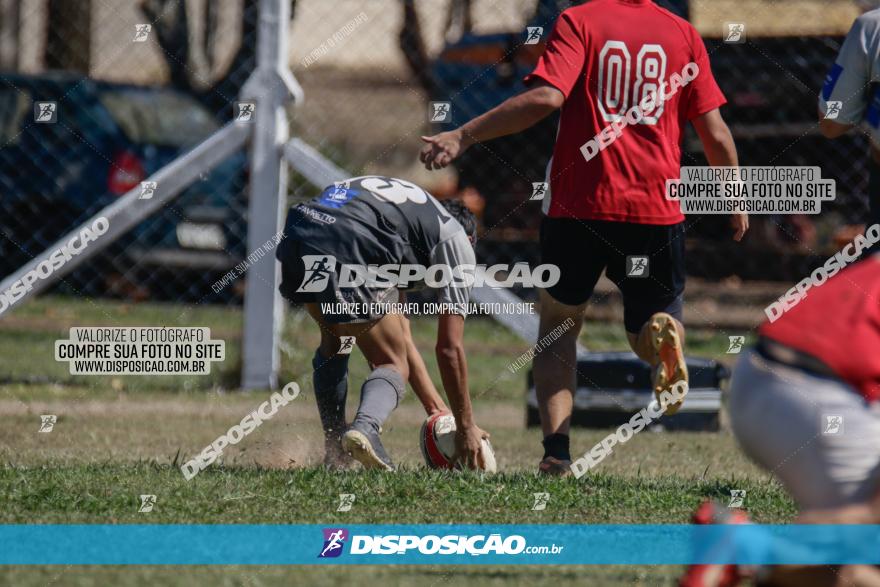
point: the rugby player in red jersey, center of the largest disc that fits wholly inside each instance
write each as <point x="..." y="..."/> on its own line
<point x="639" y="73"/>
<point x="805" y="405"/>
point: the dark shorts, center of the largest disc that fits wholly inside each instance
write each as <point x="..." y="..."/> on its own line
<point x="582" y="249"/>
<point x="316" y="273"/>
<point x="873" y="199"/>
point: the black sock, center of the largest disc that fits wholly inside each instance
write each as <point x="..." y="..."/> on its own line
<point x="556" y="446"/>
<point x="330" y="378"/>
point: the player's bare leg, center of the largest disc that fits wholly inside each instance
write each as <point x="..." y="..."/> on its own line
<point x="660" y="343"/>
<point x="419" y="379"/>
<point x="554" y="370"/>
<point x="383" y="343"/>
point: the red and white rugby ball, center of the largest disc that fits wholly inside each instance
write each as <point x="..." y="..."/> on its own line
<point x="437" y="440"/>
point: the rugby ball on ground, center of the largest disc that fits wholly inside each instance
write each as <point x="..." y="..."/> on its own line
<point x="437" y="440"/>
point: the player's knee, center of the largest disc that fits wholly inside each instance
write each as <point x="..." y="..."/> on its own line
<point x="329" y="345"/>
<point x="559" y="333"/>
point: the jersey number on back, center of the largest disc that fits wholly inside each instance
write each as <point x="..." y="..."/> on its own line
<point x="393" y="190"/>
<point x="619" y="89"/>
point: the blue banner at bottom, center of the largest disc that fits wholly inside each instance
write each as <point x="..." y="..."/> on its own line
<point x="436" y="544"/>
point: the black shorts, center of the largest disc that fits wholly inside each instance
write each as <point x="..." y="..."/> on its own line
<point x="582" y="249"/>
<point x="339" y="305"/>
<point x="873" y="200"/>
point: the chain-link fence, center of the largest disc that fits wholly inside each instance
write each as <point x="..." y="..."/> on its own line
<point x="371" y="71"/>
<point x="109" y="94"/>
<point x="95" y="96"/>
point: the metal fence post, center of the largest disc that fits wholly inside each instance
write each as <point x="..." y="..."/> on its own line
<point x="269" y="87"/>
<point x="128" y="211"/>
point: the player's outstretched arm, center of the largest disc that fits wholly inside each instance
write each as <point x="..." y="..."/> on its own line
<point x="844" y="97"/>
<point x="419" y="378"/>
<point x="511" y="116"/>
<point x="453" y="371"/>
<point x="720" y="152"/>
<point x="831" y="129"/>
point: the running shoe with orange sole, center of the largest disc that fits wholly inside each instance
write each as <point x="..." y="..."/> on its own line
<point x="671" y="367"/>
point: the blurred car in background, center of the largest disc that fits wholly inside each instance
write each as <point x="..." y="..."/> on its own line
<point x="107" y="139"/>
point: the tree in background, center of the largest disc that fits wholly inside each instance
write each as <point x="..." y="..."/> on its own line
<point x="190" y="65"/>
<point x="10" y="21"/>
<point x="69" y="35"/>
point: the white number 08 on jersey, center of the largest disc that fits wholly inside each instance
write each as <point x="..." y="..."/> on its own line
<point x="619" y="88"/>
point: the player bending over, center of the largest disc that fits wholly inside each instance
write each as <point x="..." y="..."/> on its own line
<point x="804" y="406"/>
<point x="606" y="209"/>
<point x="379" y="221"/>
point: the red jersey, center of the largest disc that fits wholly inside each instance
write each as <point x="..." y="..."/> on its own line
<point x="606" y="57"/>
<point x="839" y="324"/>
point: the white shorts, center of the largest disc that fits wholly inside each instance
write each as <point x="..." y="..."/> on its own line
<point x="817" y="435"/>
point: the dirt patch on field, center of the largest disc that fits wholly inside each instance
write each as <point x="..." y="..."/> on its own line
<point x="158" y="428"/>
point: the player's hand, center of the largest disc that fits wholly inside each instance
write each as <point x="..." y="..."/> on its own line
<point x="442" y="149"/>
<point x="740" y="223"/>
<point x="468" y="447"/>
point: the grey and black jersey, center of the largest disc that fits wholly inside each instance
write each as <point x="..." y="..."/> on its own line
<point x="374" y="220"/>
<point x="850" y="93"/>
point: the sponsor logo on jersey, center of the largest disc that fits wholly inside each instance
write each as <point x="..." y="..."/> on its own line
<point x="315" y="215"/>
<point x="337" y="196"/>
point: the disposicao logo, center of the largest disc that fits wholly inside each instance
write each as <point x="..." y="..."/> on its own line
<point x="334" y="540"/>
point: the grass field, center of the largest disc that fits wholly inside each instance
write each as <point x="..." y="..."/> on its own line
<point x="117" y="438"/>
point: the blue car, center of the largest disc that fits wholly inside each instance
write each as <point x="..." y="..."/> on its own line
<point x="102" y="140"/>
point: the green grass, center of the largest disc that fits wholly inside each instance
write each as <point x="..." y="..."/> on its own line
<point x="99" y="493"/>
<point x="117" y="438"/>
<point x="324" y="576"/>
<point x="28" y="335"/>
<point x="107" y="493"/>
